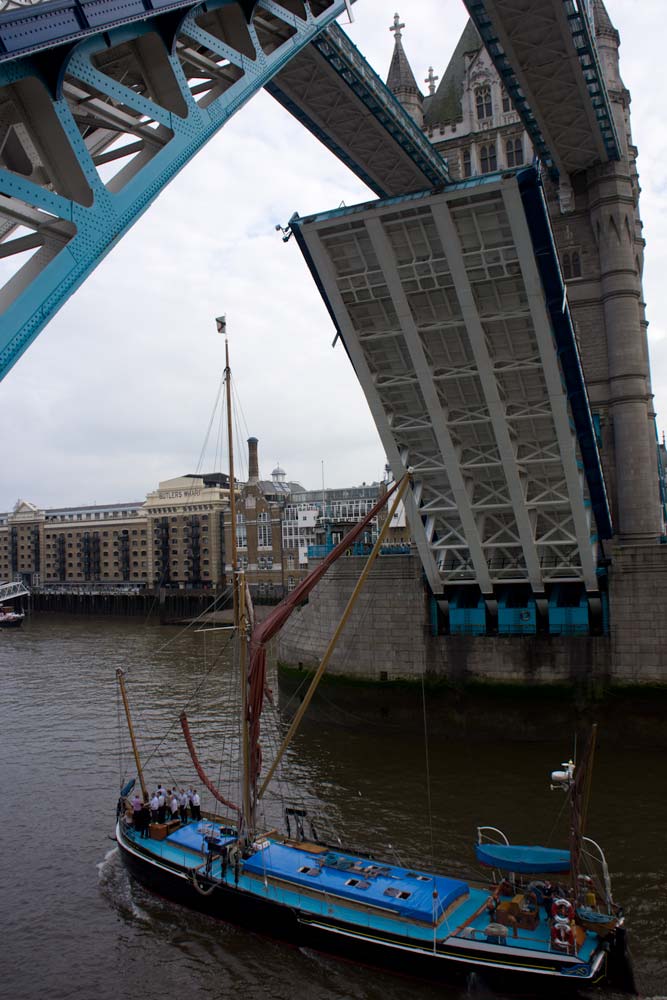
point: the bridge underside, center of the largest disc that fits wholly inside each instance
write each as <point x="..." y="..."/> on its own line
<point x="546" y="57"/>
<point x="462" y="342"/>
<point x="330" y="88"/>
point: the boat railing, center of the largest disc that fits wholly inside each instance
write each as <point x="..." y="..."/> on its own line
<point x="599" y="857"/>
<point x="484" y="835"/>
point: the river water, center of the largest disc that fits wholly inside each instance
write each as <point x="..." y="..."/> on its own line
<point x="73" y="925"/>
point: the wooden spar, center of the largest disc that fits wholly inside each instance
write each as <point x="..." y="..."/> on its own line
<point x="120" y="674"/>
<point x="232" y="485"/>
<point x="247" y="814"/>
<point x="240" y="616"/>
<point x="296" y="721"/>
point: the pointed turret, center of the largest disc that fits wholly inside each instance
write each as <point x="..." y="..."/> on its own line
<point x="602" y="21"/>
<point x="608" y="41"/>
<point x="401" y="80"/>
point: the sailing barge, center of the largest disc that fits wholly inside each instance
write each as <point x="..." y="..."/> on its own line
<point x="520" y="926"/>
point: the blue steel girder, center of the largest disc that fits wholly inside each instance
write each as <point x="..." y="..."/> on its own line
<point x="26" y="28"/>
<point x="92" y="132"/>
<point x="546" y="56"/>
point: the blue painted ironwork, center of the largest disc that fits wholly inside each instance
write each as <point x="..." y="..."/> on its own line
<point x="32" y="29"/>
<point x="467" y="612"/>
<point x="568" y="611"/>
<point x="77" y="222"/>
<point x="517" y="612"/>
<point x="546" y="257"/>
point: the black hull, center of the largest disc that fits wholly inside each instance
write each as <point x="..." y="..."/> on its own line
<point x="301" y="929"/>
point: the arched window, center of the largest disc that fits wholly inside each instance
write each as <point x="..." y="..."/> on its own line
<point x="507" y="104"/>
<point x="576" y="264"/>
<point x="483" y="102"/>
<point x="514" y="151"/>
<point x="467" y="163"/>
<point x="487" y="156"/>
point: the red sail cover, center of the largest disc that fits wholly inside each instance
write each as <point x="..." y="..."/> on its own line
<point x="215" y="792"/>
<point x="275" y="621"/>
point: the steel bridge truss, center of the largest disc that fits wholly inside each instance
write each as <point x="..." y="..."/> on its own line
<point x="93" y="130"/>
<point x="545" y="53"/>
<point x="453" y="312"/>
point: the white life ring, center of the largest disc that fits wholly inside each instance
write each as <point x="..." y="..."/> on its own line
<point x="562" y="935"/>
<point x="562" y="909"/>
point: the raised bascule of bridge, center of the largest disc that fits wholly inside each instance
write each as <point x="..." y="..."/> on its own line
<point x="519" y="396"/>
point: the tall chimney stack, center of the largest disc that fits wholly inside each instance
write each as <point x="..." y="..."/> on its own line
<point x="253" y="461"/>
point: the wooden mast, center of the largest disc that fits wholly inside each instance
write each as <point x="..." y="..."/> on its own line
<point x="240" y="613"/>
<point x="232" y="486"/>
<point x="120" y="674"/>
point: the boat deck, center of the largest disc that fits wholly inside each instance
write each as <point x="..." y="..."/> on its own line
<point x="273" y="874"/>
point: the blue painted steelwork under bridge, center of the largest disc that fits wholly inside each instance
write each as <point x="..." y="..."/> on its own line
<point x="101" y="106"/>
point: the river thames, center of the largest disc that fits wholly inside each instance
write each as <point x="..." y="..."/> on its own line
<point x="73" y="925"/>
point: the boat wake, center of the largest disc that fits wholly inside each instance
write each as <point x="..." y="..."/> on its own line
<point x="117" y="887"/>
<point x="102" y="865"/>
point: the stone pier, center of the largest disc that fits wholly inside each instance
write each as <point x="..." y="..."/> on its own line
<point x="388" y="636"/>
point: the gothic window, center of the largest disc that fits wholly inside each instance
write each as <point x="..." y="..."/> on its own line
<point x="467" y="163"/>
<point x="241" y="532"/>
<point x="571" y="264"/>
<point x="483" y="102"/>
<point x="507" y="104"/>
<point x="487" y="156"/>
<point x="514" y="151"/>
<point x="264" y="535"/>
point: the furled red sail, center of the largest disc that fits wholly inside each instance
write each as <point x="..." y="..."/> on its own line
<point x="215" y="792"/>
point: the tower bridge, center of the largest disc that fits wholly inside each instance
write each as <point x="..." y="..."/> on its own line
<point x="495" y="320"/>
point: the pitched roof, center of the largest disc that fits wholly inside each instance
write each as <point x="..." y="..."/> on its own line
<point x="445" y="105"/>
<point x="400" y="76"/>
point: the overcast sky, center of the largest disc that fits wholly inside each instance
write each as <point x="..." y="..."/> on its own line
<point x="117" y="392"/>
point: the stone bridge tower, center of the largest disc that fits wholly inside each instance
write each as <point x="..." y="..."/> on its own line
<point x="598" y="231"/>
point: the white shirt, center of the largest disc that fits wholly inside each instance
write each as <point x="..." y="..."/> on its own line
<point x="155" y="804"/>
<point x="196" y="801"/>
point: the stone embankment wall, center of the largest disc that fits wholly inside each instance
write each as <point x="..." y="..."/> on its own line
<point x="638" y="607"/>
<point x="388" y="635"/>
